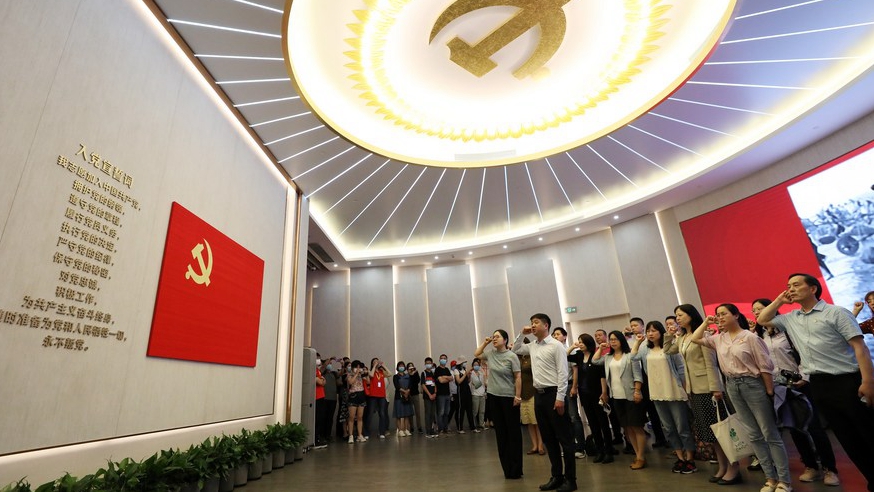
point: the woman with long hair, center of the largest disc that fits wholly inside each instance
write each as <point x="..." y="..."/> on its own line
<point x="704" y="385"/>
<point x="504" y="393"/>
<point x="666" y="377"/>
<point x="748" y="368"/>
<point x="356" y="379"/>
<point x="594" y="397"/>
<point x="813" y="444"/>
<point x="624" y="381"/>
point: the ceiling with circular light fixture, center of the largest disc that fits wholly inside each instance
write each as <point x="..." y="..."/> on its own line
<point x="415" y="128"/>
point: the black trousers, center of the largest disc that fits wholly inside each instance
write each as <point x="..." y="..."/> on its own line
<point x="465" y="406"/>
<point x="836" y="398"/>
<point x="813" y="443"/>
<point x="508" y="433"/>
<point x="557" y="434"/>
<point x="324" y="419"/>
<point x="598" y="421"/>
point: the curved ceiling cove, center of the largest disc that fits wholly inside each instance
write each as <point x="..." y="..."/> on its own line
<point x="776" y="75"/>
<point x="473" y="83"/>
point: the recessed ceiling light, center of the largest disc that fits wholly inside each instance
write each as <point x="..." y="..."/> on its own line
<point x="335" y="265"/>
<point x="436" y="257"/>
<point x="470" y="252"/>
<point x="403" y="261"/>
<point x="615" y="217"/>
<point x="577" y="229"/>
<point x="368" y="263"/>
<point x="505" y="246"/>
<point x="540" y="239"/>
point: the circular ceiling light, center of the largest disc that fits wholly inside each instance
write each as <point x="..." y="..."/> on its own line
<point x="471" y="83"/>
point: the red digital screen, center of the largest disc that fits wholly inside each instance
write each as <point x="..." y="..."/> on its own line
<point x="208" y="306"/>
<point x="821" y="223"/>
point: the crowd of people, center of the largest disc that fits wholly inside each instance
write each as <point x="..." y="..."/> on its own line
<point x="671" y="379"/>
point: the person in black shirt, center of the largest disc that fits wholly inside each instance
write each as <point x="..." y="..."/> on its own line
<point x="443" y="375"/>
<point x="592" y="389"/>
<point x="429" y="397"/>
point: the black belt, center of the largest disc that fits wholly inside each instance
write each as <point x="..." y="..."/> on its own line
<point x="548" y="389"/>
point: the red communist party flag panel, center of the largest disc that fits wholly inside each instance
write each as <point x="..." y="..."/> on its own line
<point x="208" y="306"/>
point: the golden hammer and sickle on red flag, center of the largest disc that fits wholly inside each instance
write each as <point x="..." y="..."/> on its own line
<point x="201" y="278"/>
<point x="548" y="14"/>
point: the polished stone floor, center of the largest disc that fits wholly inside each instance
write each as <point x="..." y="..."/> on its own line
<point x="469" y="462"/>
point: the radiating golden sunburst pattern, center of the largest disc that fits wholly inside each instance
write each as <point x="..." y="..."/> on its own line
<point x="644" y="20"/>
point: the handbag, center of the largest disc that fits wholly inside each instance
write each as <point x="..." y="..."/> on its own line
<point x="732" y="434"/>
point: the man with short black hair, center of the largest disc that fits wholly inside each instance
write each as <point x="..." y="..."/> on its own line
<point x="834" y="354"/>
<point x="550" y="370"/>
<point x="429" y="398"/>
<point x="444" y="376"/>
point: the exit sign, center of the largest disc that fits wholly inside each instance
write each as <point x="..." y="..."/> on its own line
<point x="571" y="309"/>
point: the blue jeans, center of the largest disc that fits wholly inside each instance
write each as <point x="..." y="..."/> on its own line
<point x="756" y="410"/>
<point x="443" y="412"/>
<point x="675" y="422"/>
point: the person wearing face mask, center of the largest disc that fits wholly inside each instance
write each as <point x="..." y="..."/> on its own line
<point x="329" y="373"/>
<point x="357" y="377"/>
<point x="478" y="394"/>
<point x="429" y="398"/>
<point x="415" y="398"/>
<point x="322" y="420"/>
<point x="444" y="376"/>
<point x="376" y="398"/>
<point x="403" y="405"/>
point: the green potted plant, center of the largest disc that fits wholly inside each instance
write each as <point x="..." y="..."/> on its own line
<point x="69" y="483"/>
<point x="122" y="476"/>
<point x="297" y="434"/>
<point x="277" y="443"/>
<point x="266" y="454"/>
<point x="216" y="460"/>
<point x="20" y="486"/>
<point x="253" y="450"/>
<point x="202" y="470"/>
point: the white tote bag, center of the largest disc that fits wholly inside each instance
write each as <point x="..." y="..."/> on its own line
<point x="732" y="434"/>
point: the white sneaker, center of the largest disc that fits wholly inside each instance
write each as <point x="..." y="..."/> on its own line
<point x="362" y="439"/>
<point x="831" y="479"/>
<point x="768" y="487"/>
<point x="382" y="436"/>
<point x="351" y="440"/>
<point x="810" y="475"/>
<point x="783" y="487"/>
<point x="579" y="455"/>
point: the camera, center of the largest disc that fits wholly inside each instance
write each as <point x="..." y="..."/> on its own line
<point x="791" y="376"/>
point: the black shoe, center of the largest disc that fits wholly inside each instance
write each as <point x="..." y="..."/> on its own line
<point x="734" y="481"/>
<point x="612" y="451"/>
<point x="608" y="458"/>
<point x="552" y="484"/>
<point x="598" y="458"/>
<point x="618" y="440"/>
<point x="628" y="450"/>
<point x="568" y="486"/>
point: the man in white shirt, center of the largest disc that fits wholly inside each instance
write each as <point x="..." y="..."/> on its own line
<point x="550" y="371"/>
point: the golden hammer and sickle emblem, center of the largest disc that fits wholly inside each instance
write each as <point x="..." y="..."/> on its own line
<point x="205" y="270"/>
<point x="549" y="14"/>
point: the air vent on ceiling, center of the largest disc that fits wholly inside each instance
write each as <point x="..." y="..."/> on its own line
<point x="320" y="252"/>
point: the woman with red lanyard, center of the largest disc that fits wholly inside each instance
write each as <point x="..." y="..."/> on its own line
<point x="376" y="398"/>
